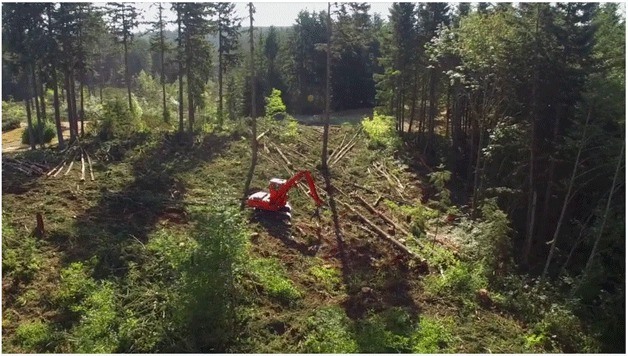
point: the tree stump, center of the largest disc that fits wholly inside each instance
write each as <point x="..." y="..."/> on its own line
<point x="39" y="230"/>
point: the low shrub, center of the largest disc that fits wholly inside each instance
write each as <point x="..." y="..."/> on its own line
<point x="96" y="331"/>
<point x="20" y="256"/>
<point x="12" y="114"/>
<point x="42" y="133"/>
<point x="275" y="108"/>
<point x="381" y="131"/>
<point x="460" y="281"/>
<point x="118" y="120"/>
<point x="328" y="330"/>
<point x="9" y="124"/>
<point x="386" y="332"/>
<point x="433" y="336"/>
<point x="34" y="336"/>
<point x="273" y="278"/>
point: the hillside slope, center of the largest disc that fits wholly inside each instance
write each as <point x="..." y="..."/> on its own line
<point x="151" y="256"/>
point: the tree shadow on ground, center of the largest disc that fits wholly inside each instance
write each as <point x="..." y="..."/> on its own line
<point x="375" y="277"/>
<point x="125" y="217"/>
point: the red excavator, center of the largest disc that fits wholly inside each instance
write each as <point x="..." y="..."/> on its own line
<point x="276" y="199"/>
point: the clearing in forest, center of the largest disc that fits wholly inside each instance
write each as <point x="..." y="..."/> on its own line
<point x="128" y="260"/>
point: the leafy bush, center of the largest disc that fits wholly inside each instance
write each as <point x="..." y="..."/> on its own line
<point x="275" y="108"/>
<point x="95" y="332"/>
<point x="210" y="276"/>
<point x="328" y="276"/>
<point x="270" y="273"/>
<point x="42" y="133"/>
<point x="388" y="332"/>
<point x="12" y="114"/>
<point x="20" y="255"/>
<point x="439" y="179"/>
<point x="9" y="124"/>
<point x="329" y="331"/>
<point x="561" y="331"/>
<point x="118" y="120"/>
<point x="34" y="336"/>
<point x="76" y="284"/>
<point x="460" y="281"/>
<point x="419" y="215"/>
<point x="432" y="336"/>
<point x="381" y="131"/>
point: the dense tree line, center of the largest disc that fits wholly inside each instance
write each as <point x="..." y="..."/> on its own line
<point x="524" y="104"/>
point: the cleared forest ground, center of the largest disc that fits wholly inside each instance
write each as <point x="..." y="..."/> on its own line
<point x="340" y="288"/>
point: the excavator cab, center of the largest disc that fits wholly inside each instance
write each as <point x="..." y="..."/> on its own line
<point x="277" y="197"/>
<point x="275" y="185"/>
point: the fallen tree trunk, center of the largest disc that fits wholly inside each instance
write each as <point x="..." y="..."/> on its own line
<point x="381" y="233"/>
<point x="382" y="216"/>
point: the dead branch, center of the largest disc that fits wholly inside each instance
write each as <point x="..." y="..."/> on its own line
<point x="82" y="167"/>
<point x="283" y="156"/>
<point x="339" y="148"/>
<point x="379" y="199"/>
<point x="343" y="154"/>
<point x="60" y="169"/>
<point x="89" y="161"/>
<point x="383" y="234"/>
<point x="382" y="216"/>
<point x="262" y="135"/>
<point x="69" y="167"/>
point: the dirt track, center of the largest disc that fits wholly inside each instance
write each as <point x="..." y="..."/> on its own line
<point x="12" y="140"/>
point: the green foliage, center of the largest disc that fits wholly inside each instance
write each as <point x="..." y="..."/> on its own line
<point x="42" y="133"/>
<point x="328" y="276"/>
<point x="272" y="276"/>
<point x="440" y="179"/>
<point x="275" y="108"/>
<point x="386" y="332"/>
<point x="118" y="120"/>
<point x="561" y="331"/>
<point x="329" y="331"/>
<point x="13" y="113"/>
<point x="459" y="281"/>
<point x="210" y="276"/>
<point x="34" y="336"/>
<point x="20" y="256"/>
<point x="76" y="284"/>
<point x="381" y="131"/>
<point x="433" y="335"/>
<point x="96" y="331"/>
<point x="419" y="214"/>
<point x="488" y="239"/>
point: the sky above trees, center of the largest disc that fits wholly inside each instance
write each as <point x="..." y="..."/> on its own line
<point x="268" y="13"/>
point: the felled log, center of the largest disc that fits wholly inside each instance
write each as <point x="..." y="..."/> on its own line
<point x="381" y="233"/>
<point x="382" y="216"/>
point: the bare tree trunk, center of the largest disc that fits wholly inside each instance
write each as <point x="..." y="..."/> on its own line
<point x="82" y="109"/>
<point x="567" y="198"/>
<point x="587" y="267"/>
<point x="42" y="100"/>
<point x="327" y="91"/>
<point x="127" y="76"/>
<point x="35" y="94"/>
<point x="180" y="73"/>
<point x="414" y="98"/>
<point x="162" y="61"/>
<point x="249" y="176"/>
<point x="29" y="120"/>
<point x="69" y="106"/>
<point x="448" y="113"/>
<point x="220" y="69"/>
<point x="532" y="191"/>
<point x="57" y="104"/>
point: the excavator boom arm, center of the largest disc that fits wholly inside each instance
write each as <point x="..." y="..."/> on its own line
<point x="294" y="180"/>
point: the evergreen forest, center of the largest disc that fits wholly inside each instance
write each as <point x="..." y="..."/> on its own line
<point x="455" y="175"/>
